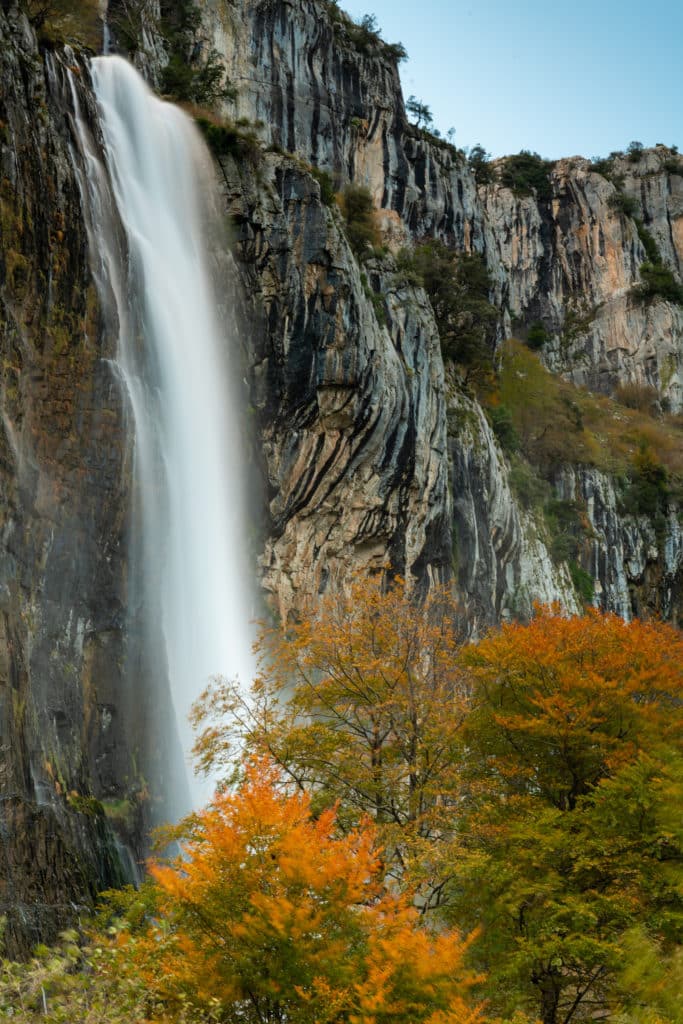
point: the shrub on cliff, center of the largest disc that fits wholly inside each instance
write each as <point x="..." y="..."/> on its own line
<point x="527" y="174"/>
<point x="622" y="203"/>
<point x="226" y="139"/>
<point x="195" y="72"/>
<point x="458" y="286"/>
<point x="657" y="281"/>
<point x="635" y="152"/>
<point x="420" y="111"/>
<point x="359" y="215"/>
<point x="364" y="35"/>
<point x="479" y="162"/>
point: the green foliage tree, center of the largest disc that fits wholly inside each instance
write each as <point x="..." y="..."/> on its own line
<point x="647" y="493"/>
<point x="537" y="336"/>
<point x="480" y="164"/>
<point x="624" y="204"/>
<point x="658" y="281"/>
<point x="573" y="832"/>
<point x="635" y="152"/>
<point x="420" y="111"/>
<point x="195" y="72"/>
<point x="503" y="427"/>
<point x="359" y="214"/>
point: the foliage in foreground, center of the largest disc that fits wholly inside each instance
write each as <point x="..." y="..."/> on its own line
<point x="544" y="764"/>
<point x="376" y="704"/>
<point x="575" y="837"/>
<point x="526" y="789"/>
<point x="270" y="915"/>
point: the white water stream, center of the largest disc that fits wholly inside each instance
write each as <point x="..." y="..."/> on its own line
<point x="174" y="356"/>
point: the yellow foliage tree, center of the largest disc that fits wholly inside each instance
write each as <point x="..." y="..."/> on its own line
<point x="360" y="702"/>
<point x="270" y="916"/>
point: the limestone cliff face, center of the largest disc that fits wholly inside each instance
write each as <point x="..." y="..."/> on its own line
<point x="348" y="386"/>
<point x="320" y="93"/>
<point x="501" y="560"/>
<point x="572" y="262"/>
<point x="569" y="261"/>
<point x="637" y="562"/>
<point x="72" y="752"/>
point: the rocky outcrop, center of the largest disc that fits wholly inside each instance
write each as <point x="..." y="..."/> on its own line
<point x="349" y="390"/>
<point x="635" y="560"/>
<point x="569" y="261"/>
<point x="501" y="559"/>
<point x="318" y="89"/>
<point x="572" y="262"/>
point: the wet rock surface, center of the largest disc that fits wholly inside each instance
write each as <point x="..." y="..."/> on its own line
<point x="75" y="717"/>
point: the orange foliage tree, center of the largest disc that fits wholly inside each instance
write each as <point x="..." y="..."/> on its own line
<point x="361" y="702"/>
<point x="572" y="830"/>
<point x="270" y="916"/>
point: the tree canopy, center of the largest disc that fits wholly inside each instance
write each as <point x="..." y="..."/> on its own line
<point x="573" y="824"/>
<point x="376" y="700"/>
<point x="402" y="790"/>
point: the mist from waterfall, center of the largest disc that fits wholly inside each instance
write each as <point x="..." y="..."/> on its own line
<point x="174" y="361"/>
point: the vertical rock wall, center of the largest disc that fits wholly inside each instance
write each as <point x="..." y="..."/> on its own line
<point x="77" y="722"/>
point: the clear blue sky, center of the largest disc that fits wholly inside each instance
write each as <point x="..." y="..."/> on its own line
<point x="564" y="79"/>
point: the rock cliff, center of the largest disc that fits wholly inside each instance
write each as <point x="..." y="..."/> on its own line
<point x="565" y="259"/>
<point x="373" y="455"/>
<point x="77" y="763"/>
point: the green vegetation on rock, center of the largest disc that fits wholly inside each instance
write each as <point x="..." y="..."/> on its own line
<point x="458" y="286"/>
<point x="527" y="174"/>
<point x="58" y="22"/>
<point x="360" y="219"/>
<point x="195" y="72"/>
<point x="557" y="422"/>
<point x="363" y="36"/>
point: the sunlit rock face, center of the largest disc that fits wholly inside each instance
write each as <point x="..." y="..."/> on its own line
<point x="350" y="395"/>
<point x="572" y="262"/>
<point x="569" y="262"/>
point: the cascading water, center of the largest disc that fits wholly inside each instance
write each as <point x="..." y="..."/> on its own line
<point x="173" y="358"/>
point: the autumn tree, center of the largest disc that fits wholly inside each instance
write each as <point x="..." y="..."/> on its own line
<point x="572" y="831"/>
<point x="270" y="915"/>
<point x="361" y="701"/>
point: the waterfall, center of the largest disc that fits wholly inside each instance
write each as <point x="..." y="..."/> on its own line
<point x="174" y="361"/>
